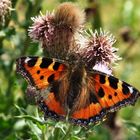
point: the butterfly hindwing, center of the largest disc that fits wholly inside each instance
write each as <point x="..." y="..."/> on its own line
<point x="52" y="108"/>
<point x="54" y="105"/>
<point x="40" y="72"/>
<point x="93" y="113"/>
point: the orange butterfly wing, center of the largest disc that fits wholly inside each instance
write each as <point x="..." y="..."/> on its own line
<point x="106" y="94"/>
<point x="41" y="73"/>
<point x="113" y="93"/>
<point x="52" y="107"/>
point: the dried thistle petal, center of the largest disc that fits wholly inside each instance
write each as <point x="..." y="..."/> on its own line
<point x="99" y="49"/>
<point x="5" y="6"/>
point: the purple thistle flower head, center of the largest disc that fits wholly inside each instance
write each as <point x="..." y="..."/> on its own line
<point x="42" y="28"/>
<point x="99" y="49"/>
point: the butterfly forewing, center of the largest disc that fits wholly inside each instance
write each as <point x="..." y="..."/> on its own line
<point x="113" y="93"/>
<point x="40" y="72"/>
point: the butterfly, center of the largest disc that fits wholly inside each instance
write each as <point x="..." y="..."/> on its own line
<point x="72" y="91"/>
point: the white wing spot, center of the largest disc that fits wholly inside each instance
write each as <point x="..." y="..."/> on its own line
<point x="27" y="59"/>
<point x="131" y="89"/>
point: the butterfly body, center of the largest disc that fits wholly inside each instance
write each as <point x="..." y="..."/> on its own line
<point x="86" y="96"/>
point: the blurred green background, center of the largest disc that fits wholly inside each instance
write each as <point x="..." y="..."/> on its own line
<point x="18" y="119"/>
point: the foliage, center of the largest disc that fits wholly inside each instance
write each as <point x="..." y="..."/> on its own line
<point x="18" y="119"/>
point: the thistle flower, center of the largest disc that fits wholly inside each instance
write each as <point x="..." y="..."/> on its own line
<point x="42" y="29"/>
<point x="56" y="30"/>
<point x="5" y="6"/>
<point x="99" y="49"/>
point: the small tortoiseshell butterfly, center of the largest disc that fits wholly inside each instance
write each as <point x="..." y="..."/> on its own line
<point x="85" y="96"/>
